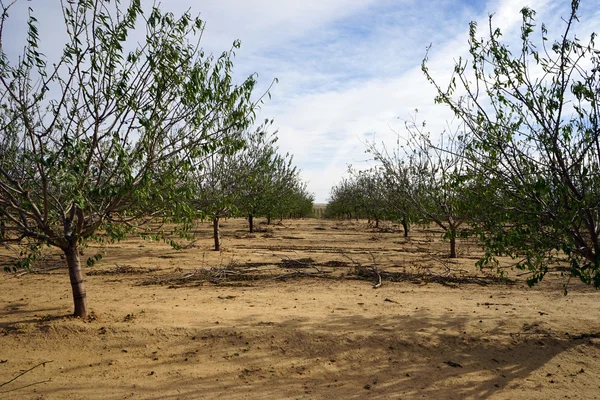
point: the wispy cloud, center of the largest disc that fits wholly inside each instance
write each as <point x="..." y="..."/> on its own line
<point x="348" y="70"/>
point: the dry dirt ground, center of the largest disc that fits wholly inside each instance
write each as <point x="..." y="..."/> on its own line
<point x="281" y="314"/>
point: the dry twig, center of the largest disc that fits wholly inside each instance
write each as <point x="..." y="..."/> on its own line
<point x="23" y="373"/>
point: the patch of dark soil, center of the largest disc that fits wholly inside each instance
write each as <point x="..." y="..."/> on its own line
<point x="123" y="269"/>
<point x="299" y="263"/>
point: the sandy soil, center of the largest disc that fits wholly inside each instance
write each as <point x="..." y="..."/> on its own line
<point x="279" y="314"/>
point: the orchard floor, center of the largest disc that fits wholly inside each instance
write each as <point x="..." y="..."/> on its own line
<point x="280" y="314"/>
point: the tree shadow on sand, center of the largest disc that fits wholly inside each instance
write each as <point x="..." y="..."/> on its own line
<point x="349" y="357"/>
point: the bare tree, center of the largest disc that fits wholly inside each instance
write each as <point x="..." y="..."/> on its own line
<point x="432" y="175"/>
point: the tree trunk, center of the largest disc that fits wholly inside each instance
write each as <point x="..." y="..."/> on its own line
<point x="376" y="223"/>
<point x="452" y="243"/>
<point x="77" y="281"/>
<point x="269" y="220"/>
<point x="251" y="222"/>
<point x="217" y="234"/>
<point x="405" y="226"/>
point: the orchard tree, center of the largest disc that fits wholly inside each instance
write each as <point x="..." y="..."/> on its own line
<point x="102" y="135"/>
<point x="253" y="168"/>
<point x="400" y="208"/>
<point x="362" y="195"/>
<point x="279" y="187"/>
<point x="433" y="177"/>
<point x="268" y="181"/>
<point x="533" y="112"/>
<point x="300" y="201"/>
<point x="215" y="186"/>
<point x="344" y="200"/>
<point x="372" y="196"/>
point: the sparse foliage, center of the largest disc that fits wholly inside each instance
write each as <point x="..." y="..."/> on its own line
<point x="534" y="144"/>
<point x="432" y="176"/>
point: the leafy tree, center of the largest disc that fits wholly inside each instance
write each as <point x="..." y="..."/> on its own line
<point x="102" y="136"/>
<point x="253" y="168"/>
<point x="269" y="184"/>
<point x="299" y="201"/>
<point x="344" y="200"/>
<point x="279" y="187"/>
<point x="215" y="186"/>
<point x="533" y="114"/>
<point x="365" y="194"/>
<point x="400" y="208"/>
<point x="372" y="196"/>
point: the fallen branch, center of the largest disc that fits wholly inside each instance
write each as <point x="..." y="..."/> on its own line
<point x="23" y="373"/>
<point x="41" y="271"/>
<point x="378" y="285"/>
<point x="190" y="245"/>
<point x="26" y="386"/>
<point x="296" y="274"/>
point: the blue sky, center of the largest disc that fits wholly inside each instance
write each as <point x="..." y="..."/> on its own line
<point x="348" y="70"/>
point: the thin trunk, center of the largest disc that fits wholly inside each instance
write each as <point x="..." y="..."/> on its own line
<point x="251" y="222"/>
<point x="217" y="234"/>
<point x="269" y="220"/>
<point x="452" y="243"/>
<point x="77" y="281"/>
<point x="376" y="223"/>
<point x="405" y="226"/>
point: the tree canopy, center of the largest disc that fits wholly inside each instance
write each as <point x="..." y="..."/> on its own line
<point x="102" y="135"/>
<point x="532" y="115"/>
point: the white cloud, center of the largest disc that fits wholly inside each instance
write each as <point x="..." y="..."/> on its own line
<point x="347" y="69"/>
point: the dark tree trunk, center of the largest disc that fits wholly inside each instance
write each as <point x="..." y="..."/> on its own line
<point x="216" y="234"/>
<point x="405" y="226"/>
<point x="269" y="220"/>
<point x="452" y="243"/>
<point x="251" y="222"/>
<point x="77" y="281"/>
<point x="376" y="223"/>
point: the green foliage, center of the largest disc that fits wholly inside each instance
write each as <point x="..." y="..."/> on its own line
<point x="532" y="115"/>
<point x="103" y="136"/>
<point x="93" y="260"/>
<point x="29" y="254"/>
<point x="268" y="183"/>
<point x="365" y="194"/>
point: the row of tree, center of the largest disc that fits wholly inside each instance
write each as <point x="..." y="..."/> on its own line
<point x="254" y="181"/>
<point x="110" y="135"/>
<point x="522" y="172"/>
<point x="412" y="183"/>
